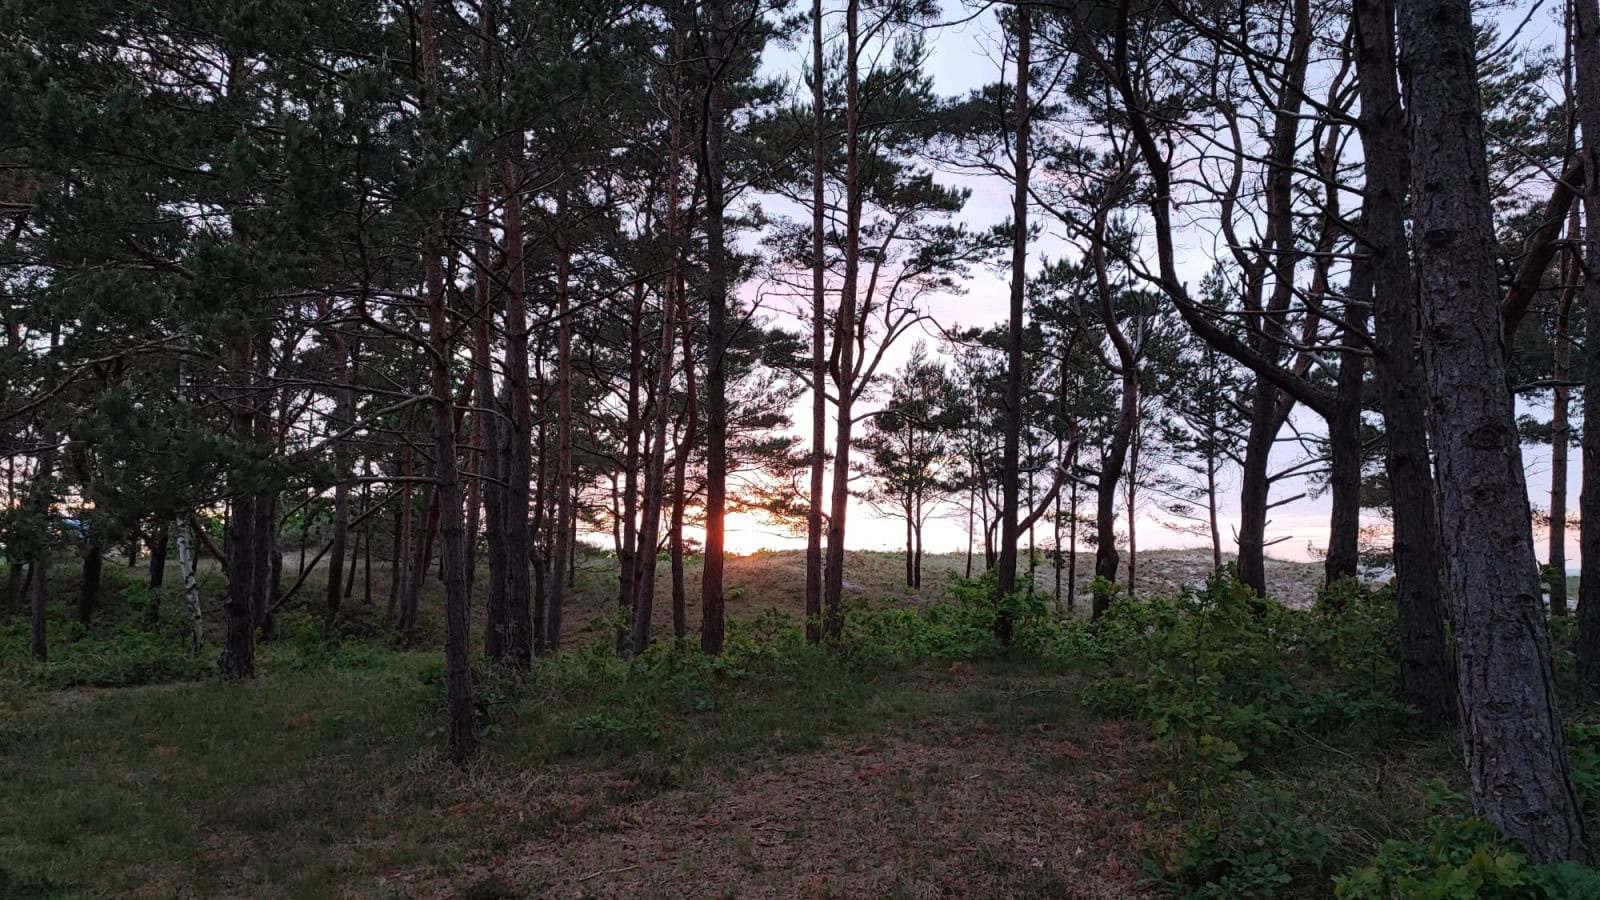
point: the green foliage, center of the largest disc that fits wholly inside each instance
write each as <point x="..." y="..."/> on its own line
<point x="301" y="646"/>
<point x="887" y="634"/>
<point x="1225" y="671"/>
<point x="1583" y="751"/>
<point x="608" y="725"/>
<point x="1463" y="858"/>
<point x="126" y="656"/>
<point x="146" y="643"/>
<point x="1256" y="846"/>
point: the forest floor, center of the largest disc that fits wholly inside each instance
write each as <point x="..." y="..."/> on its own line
<point x="330" y="782"/>
<point x="803" y="775"/>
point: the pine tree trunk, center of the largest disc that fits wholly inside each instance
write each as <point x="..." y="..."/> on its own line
<point x="398" y="572"/>
<point x="447" y="476"/>
<point x="239" y="609"/>
<point x="633" y="431"/>
<point x="39" y="597"/>
<point x="1560" y="425"/>
<point x="344" y="416"/>
<point x="1211" y="509"/>
<point x="716" y="287"/>
<point x="14" y="570"/>
<point x="1072" y="541"/>
<point x="366" y="563"/>
<point x="1515" y="744"/>
<point x="917" y="567"/>
<point x="1344" y="442"/>
<point x="560" y="546"/>
<point x="538" y="553"/>
<point x="410" y="598"/>
<point x="1111" y="469"/>
<point x="654" y="482"/>
<point x="972" y="502"/>
<point x="39" y="499"/>
<point x="356" y="540"/>
<point x="488" y="426"/>
<point x="158" y="555"/>
<point x="1055" y="542"/>
<point x="655" y="493"/>
<point x="1254" y="487"/>
<point x="844" y="334"/>
<point x="691" y="414"/>
<point x="1586" y="56"/>
<point x="1010" y="476"/>
<point x="517" y="470"/>
<point x="819" y="363"/>
<point x="1426" y="670"/>
<point x="1133" y="507"/>
<point x="911" y="549"/>
<point x="89" y="588"/>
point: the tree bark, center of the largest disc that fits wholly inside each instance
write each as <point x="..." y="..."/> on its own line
<point x="654" y="482"/>
<point x="1515" y="744"/>
<point x="1586" y="57"/>
<point x="447" y="477"/>
<point x="40" y="499"/>
<point x="716" y="288"/>
<point x="1211" y="509"/>
<point x="633" y="431"/>
<point x="1561" y="429"/>
<point x="344" y="415"/>
<point x="1010" y="476"/>
<point x="680" y="601"/>
<point x="819" y="364"/>
<point x="488" y="427"/>
<point x="89" y="589"/>
<point x="655" y="491"/>
<point x="239" y="609"/>
<point x="399" y="574"/>
<point x="1127" y="368"/>
<point x="1132" y="484"/>
<point x="1344" y="440"/>
<point x="39" y="598"/>
<point x="191" y="586"/>
<point x="517" y="468"/>
<point x="844" y="333"/>
<point x="560" y="547"/>
<point x="1072" y="541"/>
<point x="158" y="555"/>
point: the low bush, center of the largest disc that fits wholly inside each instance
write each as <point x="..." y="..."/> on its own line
<point x="1463" y="858"/>
<point x="1219" y="666"/>
<point x="1259" y="844"/>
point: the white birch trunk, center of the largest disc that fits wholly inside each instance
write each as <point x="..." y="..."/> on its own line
<point x="191" y="587"/>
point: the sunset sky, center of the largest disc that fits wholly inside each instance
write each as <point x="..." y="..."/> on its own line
<point x="965" y="56"/>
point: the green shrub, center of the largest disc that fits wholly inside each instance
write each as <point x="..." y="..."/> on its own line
<point x="1583" y="750"/>
<point x="1222" y="665"/>
<point x="1464" y="858"/>
<point x="1258" y="845"/>
<point x="124" y="656"/>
